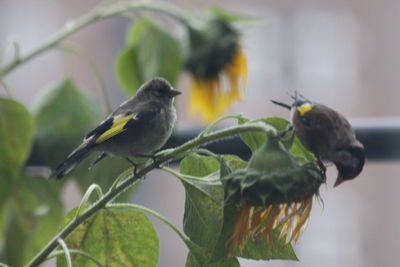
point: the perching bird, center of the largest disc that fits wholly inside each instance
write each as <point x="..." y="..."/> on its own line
<point x="138" y="127"/>
<point x="328" y="135"/>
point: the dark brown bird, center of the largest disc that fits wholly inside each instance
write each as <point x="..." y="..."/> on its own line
<point x="328" y="135"/>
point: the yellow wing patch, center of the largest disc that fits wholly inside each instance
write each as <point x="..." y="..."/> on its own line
<point x="303" y="109"/>
<point x="116" y="128"/>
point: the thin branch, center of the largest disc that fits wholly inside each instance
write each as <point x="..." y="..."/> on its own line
<point x="131" y="180"/>
<point x="75" y="251"/>
<point x="217" y="121"/>
<point x="92" y="188"/>
<point x="6" y="88"/>
<point x="97" y="14"/>
<point x="66" y="251"/>
<point x="10" y="44"/>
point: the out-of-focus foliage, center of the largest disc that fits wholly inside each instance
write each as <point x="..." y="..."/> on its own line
<point x="15" y="138"/>
<point x="150" y="52"/>
<point x="63" y="116"/>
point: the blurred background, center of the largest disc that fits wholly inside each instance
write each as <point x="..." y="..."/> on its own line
<point x="343" y="53"/>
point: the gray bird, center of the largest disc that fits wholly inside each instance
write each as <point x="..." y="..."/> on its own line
<point x="328" y="135"/>
<point x="138" y="127"/>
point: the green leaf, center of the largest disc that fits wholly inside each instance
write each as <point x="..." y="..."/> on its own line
<point x="300" y="151"/>
<point x="63" y="115"/>
<point x="199" y="166"/>
<point x="255" y="139"/>
<point x="128" y="70"/>
<point x="220" y="251"/>
<point x="228" y="16"/>
<point x="204" y="199"/>
<point x="115" y="238"/>
<point x="35" y="215"/>
<point x="266" y="250"/>
<point x="252" y="139"/>
<point x="293" y="144"/>
<point x="278" y="123"/>
<point x="228" y="262"/>
<point x="151" y="52"/>
<point x="5" y="210"/>
<point x="16" y="127"/>
<point x="203" y="209"/>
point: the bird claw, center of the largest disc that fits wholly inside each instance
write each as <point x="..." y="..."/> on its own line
<point x="155" y="162"/>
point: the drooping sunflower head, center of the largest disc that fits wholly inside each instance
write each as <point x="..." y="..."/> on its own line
<point x="218" y="68"/>
<point x="274" y="193"/>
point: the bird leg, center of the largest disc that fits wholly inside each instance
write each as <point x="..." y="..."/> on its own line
<point x="134" y="165"/>
<point x="153" y="157"/>
<point x="102" y="156"/>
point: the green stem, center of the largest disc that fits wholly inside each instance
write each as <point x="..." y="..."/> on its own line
<point x="85" y="199"/>
<point x="217" y="121"/>
<point x="10" y="44"/>
<point x="74" y="251"/>
<point x="131" y="180"/>
<point x="98" y="14"/>
<point x="204" y="152"/>
<point x="66" y="251"/>
<point x="180" y="175"/>
<point x="152" y="212"/>
<point x="6" y="88"/>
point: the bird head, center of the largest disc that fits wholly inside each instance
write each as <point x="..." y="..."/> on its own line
<point x="351" y="163"/>
<point x="158" y="89"/>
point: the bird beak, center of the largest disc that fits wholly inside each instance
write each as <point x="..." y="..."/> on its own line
<point x="339" y="180"/>
<point x="174" y="92"/>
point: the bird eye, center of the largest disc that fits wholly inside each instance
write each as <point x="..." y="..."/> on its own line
<point x="160" y="91"/>
<point x="305" y="121"/>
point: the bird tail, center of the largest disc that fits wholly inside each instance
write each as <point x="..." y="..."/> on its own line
<point x="72" y="160"/>
<point x="281" y="104"/>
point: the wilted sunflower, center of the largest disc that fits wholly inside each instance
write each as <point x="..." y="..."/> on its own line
<point x="218" y="68"/>
<point x="274" y="192"/>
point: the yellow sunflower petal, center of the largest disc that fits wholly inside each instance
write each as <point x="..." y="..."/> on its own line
<point x="211" y="98"/>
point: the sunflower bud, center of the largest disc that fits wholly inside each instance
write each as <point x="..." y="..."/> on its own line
<point x="215" y="55"/>
<point x="212" y="48"/>
<point x="273" y="192"/>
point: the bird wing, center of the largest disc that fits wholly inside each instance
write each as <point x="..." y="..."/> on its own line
<point x="117" y="127"/>
<point x="119" y="123"/>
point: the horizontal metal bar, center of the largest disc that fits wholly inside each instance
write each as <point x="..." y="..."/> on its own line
<point x="381" y="142"/>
